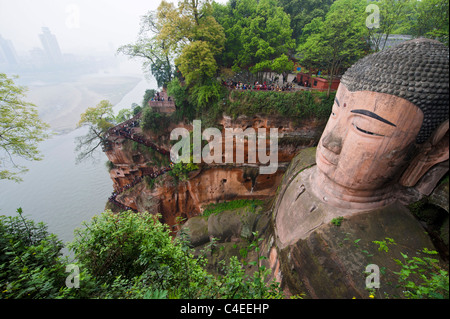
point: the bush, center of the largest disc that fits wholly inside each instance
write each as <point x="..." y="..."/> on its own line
<point x="154" y="121"/>
<point x="299" y="104"/>
<point x="133" y="255"/>
<point x="125" y="255"/>
<point x="180" y="94"/>
<point x="135" y="252"/>
<point x="30" y="259"/>
<point x="180" y="171"/>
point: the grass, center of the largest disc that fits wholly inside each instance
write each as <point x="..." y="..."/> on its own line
<point x="217" y="208"/>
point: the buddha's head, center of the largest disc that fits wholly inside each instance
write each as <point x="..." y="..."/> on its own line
<point x="387" y="107"/>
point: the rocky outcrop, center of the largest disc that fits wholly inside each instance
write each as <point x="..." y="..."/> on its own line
<point x="132" y="162"/>
<point x="230" y="233"/>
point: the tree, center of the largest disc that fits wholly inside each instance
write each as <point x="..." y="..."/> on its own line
<point x="258" y="36"/>
<point x="21" y="130"/>
<point x="147" y="97"/>
<point x="430" y="19"/>
<point x="303" y="12"/>
<point x="124" y="115"/>
<point x="157" y="59"/>
<point x="393" y="14"/>
<point x="191" y="29"/>
<point x="337" y="41"/>
<point x="98" y="120"/>
<point x="197" y="62"/>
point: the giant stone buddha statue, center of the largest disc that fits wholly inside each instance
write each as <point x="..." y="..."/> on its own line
<point x="388" y="129"/>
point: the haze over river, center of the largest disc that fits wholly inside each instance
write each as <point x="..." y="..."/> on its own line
<point x="56" y="191"/>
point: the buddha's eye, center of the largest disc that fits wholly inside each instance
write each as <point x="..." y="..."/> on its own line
<point x="366" y="132"/>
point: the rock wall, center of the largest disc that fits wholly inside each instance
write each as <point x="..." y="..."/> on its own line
<point x="131" y="162"/>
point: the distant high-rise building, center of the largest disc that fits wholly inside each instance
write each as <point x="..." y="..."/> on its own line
<point x="8" y="54"/>
<point x="50" y="44"/>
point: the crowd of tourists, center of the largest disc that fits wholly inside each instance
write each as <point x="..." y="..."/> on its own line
<point x="126" y="130"/>
<point x="137" y="179"/>
<point x="159" y="97"/>
<point x="256" y="86"/>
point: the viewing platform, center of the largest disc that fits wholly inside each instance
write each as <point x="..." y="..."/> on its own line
<point x="162" y="103"/>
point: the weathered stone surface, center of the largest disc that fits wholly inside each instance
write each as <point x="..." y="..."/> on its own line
<point x="197" y="230"/>
<point x="440" y="196"/>
<point x="330" y="261"/>
<point x="213" y="182"/>
<point x="232" y="225"/>
<point x="327" y="261"/>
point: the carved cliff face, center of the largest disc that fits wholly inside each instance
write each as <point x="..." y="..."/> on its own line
<point x="367" y="139"/>
<point x="391" y="111"/>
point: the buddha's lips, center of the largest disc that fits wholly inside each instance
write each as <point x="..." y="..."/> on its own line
<point x="331" y="160"/>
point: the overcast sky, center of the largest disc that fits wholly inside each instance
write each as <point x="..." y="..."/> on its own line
<point x="79" y="25"/>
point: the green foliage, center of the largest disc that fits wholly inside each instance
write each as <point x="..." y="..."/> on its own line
<point x="154" y="121"/>
<point x="180" y="171"/>
<point x="98" y="120"/>
<point x="216" y="208"/>
<point x="124" y="115"/>
<point x="126" y="250"/>
<point x="30" y="259"/>
<point x="337" y="221"/>
<point x="205" y="95"/>
<point x="429" y="18"/>
<point x="303" y="12"/>
<point x="258" y="35"/>
<point x="180" y="93"/>
<point x="236" y="284"/>
<point x="197" y="63"/>
<point x="149" y="181"/>
<point x="383" y="244"/>
<point x="393" y="16"/>
<point x="296" y="105"/>
<point x="136" y="109"/>
<point x="147" y="97"/>
<point x="193" y="36"/>
<point x="109" y="165"/>
<point x="422" y="278"/>
<point x="156" y="57"/>
<point x="125" y="255"/>
<point x="20" y="130"/>
<point x="336" y="42"/>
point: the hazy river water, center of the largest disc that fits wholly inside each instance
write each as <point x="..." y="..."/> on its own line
<point x="56" y="190"/>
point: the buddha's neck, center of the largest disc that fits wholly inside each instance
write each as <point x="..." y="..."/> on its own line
<point x="337" y="195"/>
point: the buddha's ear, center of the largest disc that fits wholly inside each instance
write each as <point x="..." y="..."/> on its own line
<point x="432" y="152"/>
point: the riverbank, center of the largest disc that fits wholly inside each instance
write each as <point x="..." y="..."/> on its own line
<point x="61" y="105"/>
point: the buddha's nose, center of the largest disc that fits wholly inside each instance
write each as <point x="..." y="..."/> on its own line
<point x="332" y="143"/>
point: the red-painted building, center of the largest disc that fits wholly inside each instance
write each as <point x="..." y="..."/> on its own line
<point x="316" y="82"/>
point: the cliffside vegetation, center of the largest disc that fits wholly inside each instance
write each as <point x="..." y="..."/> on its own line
<point x="131" y="255"/>
<point x="126" y="255"/>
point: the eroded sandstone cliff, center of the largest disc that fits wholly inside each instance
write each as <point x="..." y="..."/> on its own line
<point x="140" y="166"/>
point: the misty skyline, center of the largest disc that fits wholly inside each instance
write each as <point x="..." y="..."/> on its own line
<point x="80" y="26"/>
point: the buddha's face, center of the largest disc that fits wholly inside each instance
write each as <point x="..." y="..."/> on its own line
<point x="367" y="138"/>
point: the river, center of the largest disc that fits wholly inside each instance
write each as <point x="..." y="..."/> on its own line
<point x="59" y="192"/>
